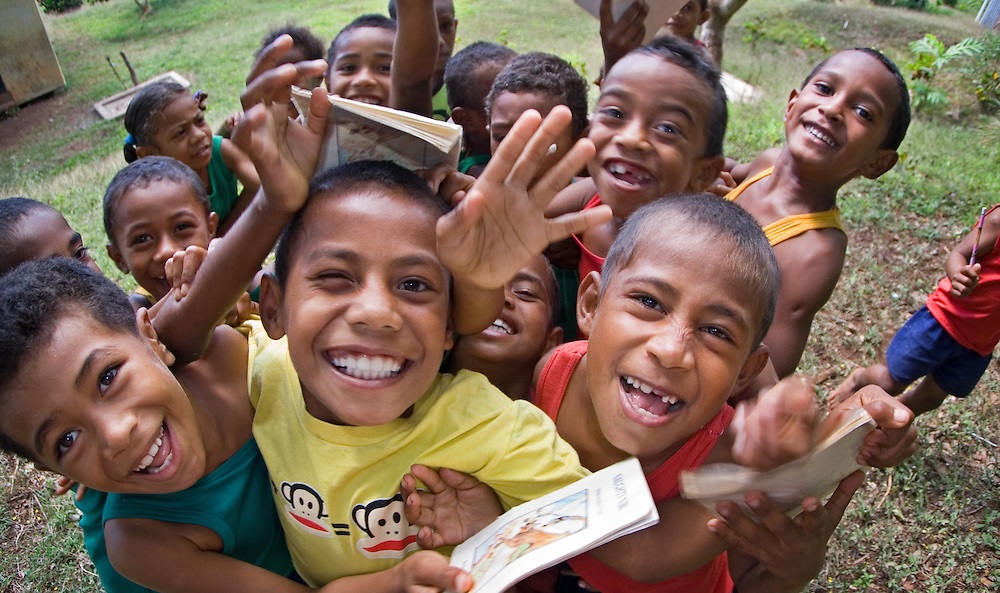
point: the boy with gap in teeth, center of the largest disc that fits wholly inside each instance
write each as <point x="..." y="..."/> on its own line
<point x="846" y="121"/>
<point x="357" y="318"/>
<point x="173" y="444"/>
<point x="658" y="129"/>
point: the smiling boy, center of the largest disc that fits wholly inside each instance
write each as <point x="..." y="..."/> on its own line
<point x="846" y="121"/>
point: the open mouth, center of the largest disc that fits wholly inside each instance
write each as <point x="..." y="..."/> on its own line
<point x="159" y="456"/>
<point x="629" y="175"/>
<point x="820" y="135"/>
<point x="369" y="99"/>
<point x="501" y="327"/>
<point x="369" y="367"/>
<point x="646" y="400"/>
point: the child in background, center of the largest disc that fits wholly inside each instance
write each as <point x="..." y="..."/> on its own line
<point x="846" y="121"/>
<point x="658" y="129"/>
<point x="360" y="60"/>
<point x="305" y="46"/>
<point x="665" y="352"/>
<point x="685" y="22"/>
<point x="426" y="28"/>
<point x="541" y="81"/>
<point x="163" y="119"/>
<point x="467" y="80"/>
<point x="154" y="208"/>
<point x="950" y="340"/>
<point x="30" y="229"/>
<point x="507" y="351"/>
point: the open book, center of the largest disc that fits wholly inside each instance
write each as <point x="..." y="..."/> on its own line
<point x="538" y="534"/>
<point x="359" y="131"/>
<point x="659" y="12"/>
<point x="815" y="474"/>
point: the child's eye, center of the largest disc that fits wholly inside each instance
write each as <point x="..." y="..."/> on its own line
<point x="717" y="332"/>
<point x="863" y="112"/>
<point x="347" y="68"/>
<point x="184" y="226"/>
<point x="82" y="253"/>
<point x="413" y="285"/>
<point x="648" y="302"/>
<point x="385" y="68"/>
<point x="526" y="295"/>
<point x="823" y="88"/>
<point x="499" y="139"/>
<point x="107" y="378"/>
<point x="65" y="442"/>
<point x="612" y="112"/>
<point x="667" y="128"/>
<point x="140" y="239"/>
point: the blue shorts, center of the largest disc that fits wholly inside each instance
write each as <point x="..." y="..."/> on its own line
<point x="922" y="347"/>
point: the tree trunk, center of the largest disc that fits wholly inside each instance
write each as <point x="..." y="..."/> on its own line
<point x="713" y="32"/>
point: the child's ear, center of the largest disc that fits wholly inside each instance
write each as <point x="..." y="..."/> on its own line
<point x="554" y="338"/>
<point x="116" y="256"/>
<point x="458" y="115"/>
<point x="752" y="367"/>
<point x="883" y="161"/>
<point x="145" y="150"/>
<point x="270" y="306"/>
<point x="706" y="171"/>
<point x="146" y="331"/>
<point x="792" y="98"/>
<point x="588" y="296"/>
<point x="213" y="223"/>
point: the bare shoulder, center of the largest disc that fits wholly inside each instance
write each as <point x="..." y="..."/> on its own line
<point x="743" y="171"/>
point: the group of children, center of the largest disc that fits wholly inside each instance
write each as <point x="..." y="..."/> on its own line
<point x="411" y="327"/>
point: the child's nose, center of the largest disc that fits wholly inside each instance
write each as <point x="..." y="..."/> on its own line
<point x="364" y="77"/>
<point x="633" y="136"/>
<point x="166" y="249"/>
<point x="671" y="347"/>
<point x="114" y="432"/>
<point x="374" y="308"/>
<point x="832" y="108"/>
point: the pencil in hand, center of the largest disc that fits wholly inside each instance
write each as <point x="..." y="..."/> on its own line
<point x="979" y="233"/>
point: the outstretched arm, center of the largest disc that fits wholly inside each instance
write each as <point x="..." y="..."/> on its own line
<point x="414" y="57"/>
<point x="285" y="155"/>
<point x="965" y="277"/>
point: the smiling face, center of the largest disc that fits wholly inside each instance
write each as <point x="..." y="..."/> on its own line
<point x="182" y="133"/>
<point x="650" y="132"/>
<point x="685" y="21"/>
<point x="665" y="352"/>
<point x="360" y="70"/>
<point x="447" y="29"/>
<point x="116" y="420"/>
<point x="524" y="330"/>
<point x="365" y="306"/>
<point x="44" y="232"/>
<point x="153" y="223"/>
<point x="836" y="125"/>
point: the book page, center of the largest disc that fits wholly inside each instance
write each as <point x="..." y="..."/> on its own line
<point x="535" y="535"/>
<point x="659" y="12"/>
<point x="358" y="131"/>
<point x="816" y="474"/>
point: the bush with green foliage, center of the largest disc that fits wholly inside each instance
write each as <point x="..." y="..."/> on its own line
<point x="59" y="5"/>
<point x="930" y="58"/>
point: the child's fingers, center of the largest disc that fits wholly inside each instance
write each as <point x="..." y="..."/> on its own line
<point x="319" y="111"/>
<point x="269" y="56"/>
<point x="454" y="225"/>
<point x="561" y="174"/>
<point x="505" y="158"/>
<point x="537" y="147"/>
<point x="841" y="497"/>
<point x="574" y="223"/>
<point x="431" y="478"/>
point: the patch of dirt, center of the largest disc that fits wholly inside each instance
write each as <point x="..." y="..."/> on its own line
<point x="31" y="122"/>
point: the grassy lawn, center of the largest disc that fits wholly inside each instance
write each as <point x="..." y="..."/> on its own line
<point x="929" y="525"/>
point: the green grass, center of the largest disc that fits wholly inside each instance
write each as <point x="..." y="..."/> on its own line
<point x="928" y="525"/>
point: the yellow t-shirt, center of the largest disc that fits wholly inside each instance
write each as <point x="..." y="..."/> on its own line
<point x="337" y="487"/>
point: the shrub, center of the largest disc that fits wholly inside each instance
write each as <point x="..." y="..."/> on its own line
<point x="59" y="5"/>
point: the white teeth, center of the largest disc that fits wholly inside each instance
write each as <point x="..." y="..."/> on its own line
<point x="151" y="454"/>
<point x="617" y="169"/>
<point x="368" y="367"/>
<point x="818" y="134"/>
<point x="163" y="466"/>
<point x="503" y="326"/>
<point x="647" y="389"/>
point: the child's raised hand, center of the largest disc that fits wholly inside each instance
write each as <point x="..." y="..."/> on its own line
<point x="283" y="151"/>
<point x="895" y="437"/>
<point x="779" y="427"/>
<point x="500" y="225"/>
<point x="772" y="552"/>
<point x="454" y="507"/>
<point x="965" y="280"/>
<point x="64" y="485"/>
<point x="621" y="36"/>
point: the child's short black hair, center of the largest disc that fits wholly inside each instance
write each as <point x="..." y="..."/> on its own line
<point x="12" y="212"/>
<point x="537" y="72"/>
<point x="359" y="176"/>
<point x="140" y="174"/>
<point x="554" y="294"/>
<point x="302" y="38"/>
<point x="375" y="21"/>
<point x="34" y="297"/>
<point x="696" y="60"/>
<point x="901" y="118"/>
<point x="463" y="78"/>
<point x="741" y="241"/>
<point x="140" y="116"/>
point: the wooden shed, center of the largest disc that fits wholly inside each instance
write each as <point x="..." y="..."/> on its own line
<point x="28" y="65"/>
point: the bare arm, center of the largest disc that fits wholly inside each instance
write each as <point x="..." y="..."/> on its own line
<point x="414" y="56"/>
<point x="965" y="278"/>
<point x="810" y="267"/>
